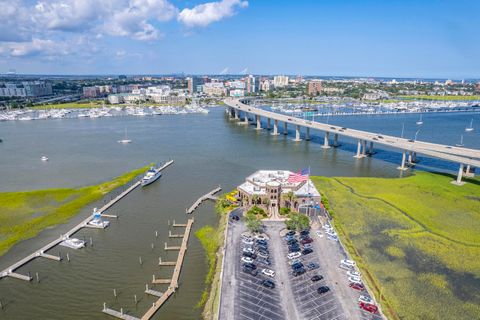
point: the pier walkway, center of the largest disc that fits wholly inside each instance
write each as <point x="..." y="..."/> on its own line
<point x="9" y="271"/>
<point x="208" y="196"/>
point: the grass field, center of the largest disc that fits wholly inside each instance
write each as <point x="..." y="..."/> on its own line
<point x="416" y="240"/>
<point x="24" y="214"/>
<point x="71" y="105"/>
<point x="440" y="98"/>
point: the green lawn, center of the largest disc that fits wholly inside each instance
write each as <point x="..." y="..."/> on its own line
<point x="71" y="105"/>
<point x="453" y="98"/>
<point x="24" y="214"/>
<point x="416" y="240"/>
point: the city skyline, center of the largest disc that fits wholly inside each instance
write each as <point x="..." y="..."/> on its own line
<point x="169" y="37"/>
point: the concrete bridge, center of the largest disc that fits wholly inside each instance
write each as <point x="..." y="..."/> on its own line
<point x="468" y="159"/>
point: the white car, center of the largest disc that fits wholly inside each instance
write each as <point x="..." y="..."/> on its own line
<point x="247" y="241"/>
<point x="366" y="300"/>
<point x="346" y="262"/>
<point x="355" y="279"/>
<point x="352" y="273"/>
<point x="260" y="237"/>
<point x="268" y="272"/>
<point x="294" y="261"/>
<point x="247" y="260"/>
<point x="331" y="233"/>
<point x="262" y="255"/>
<point x="249" y="250"/>
<point x="327" y="227"/>
<point x="294" y="255"/>
<point x="333" y="238"/>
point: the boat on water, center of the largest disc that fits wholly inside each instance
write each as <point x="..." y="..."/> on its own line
<point x="97" y="221"/>
<point x="151" y="175"/>
<point x="44" y="158"/>
<point x="469" y="129"/>
<point x="73" y="243"/>
<point x="420" y="121"/>
<point x="125" y="140"/>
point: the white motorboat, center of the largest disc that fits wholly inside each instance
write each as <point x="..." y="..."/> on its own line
<point x="151" y="175"/>
<point x="43" y="158"/>
<point x="73" y="243"/>
<point x="97" y="221"/>
<point x="125" y="140"/>
<point x="469" y="129"/>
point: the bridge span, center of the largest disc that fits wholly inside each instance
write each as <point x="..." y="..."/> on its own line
<point x="468" y="159"/>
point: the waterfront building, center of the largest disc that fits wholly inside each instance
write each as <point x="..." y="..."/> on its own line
<point x="26" y="89"/>
<point x="193" y="83"/>
<point x="314" y="87"/>
<point x="280" y="81"/>
<point x="91" y="92"/>
<point x="252" y="84"/>
<point x="274" y="189"/>
<point x="214" y="89"/>
<point x="266" y="85"/>
<point x="237" y="93"/>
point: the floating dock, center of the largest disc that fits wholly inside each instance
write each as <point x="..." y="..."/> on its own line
<point x="208" y="196"/>
<point x="9" y="271"/>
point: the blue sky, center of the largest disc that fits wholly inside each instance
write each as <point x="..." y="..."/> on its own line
<point x="324" y="37"/>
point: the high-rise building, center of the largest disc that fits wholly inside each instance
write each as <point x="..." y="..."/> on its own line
<point x="193" y="83"/>
<point x="314" y="87"/>
<point x="26" y="89"/>
<point x="280" y="81"/>
<point x="253" y="84"/>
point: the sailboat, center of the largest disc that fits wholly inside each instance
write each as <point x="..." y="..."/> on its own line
<point x="420" y="121"/>
<point x="469" y="129"/>
<point x="125" y="141"/>
<point x="461" y="141"/>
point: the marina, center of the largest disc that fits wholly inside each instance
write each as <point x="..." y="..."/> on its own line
<point x="10" y="271"/>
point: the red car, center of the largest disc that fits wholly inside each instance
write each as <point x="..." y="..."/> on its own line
<point x="368" y="307"/>
<point x="306" y="240"/>
<point x="357" y="286"/>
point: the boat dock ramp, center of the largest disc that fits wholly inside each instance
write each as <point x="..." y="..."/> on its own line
<point x="208" y="196"/>
<point x="10" y="271"/>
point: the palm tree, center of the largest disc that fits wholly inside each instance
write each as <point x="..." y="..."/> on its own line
<point x="290" y="196"/>
<point x="255" y="198"/>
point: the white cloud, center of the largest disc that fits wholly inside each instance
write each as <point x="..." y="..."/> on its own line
<point x="34" y="47"/>
<point x="204" y="14"/>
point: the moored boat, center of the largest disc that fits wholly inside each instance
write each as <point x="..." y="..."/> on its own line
<point x="151" y="175"/>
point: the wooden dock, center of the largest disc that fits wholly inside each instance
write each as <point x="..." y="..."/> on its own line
<point x="9" y="271"/>
<point x="117" y="314"/>
<point x="208" y="196"/>
<point x="176" y="275"/>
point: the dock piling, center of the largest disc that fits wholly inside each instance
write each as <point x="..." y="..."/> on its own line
<point x="156" y="234"/>
<point x="115" y="293"/>
<point x="68" y="257"/>
<point x="153" y="246"/>
<point x="37" y="276"/>
<point x="135" y="298"/>
<point x="91" y="242"/>
<point x="140" y="260"/>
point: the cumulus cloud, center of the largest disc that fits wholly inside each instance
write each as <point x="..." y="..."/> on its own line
<point x="204" y="14"/>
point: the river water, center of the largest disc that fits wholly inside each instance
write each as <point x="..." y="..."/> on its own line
<point x="208" y="150"/>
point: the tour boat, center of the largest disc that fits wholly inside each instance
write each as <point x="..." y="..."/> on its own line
<point x="73" y="243"/>
<point x="43" y="158"/>
<point x="420" y="121"/>
<point x="125" y="141"/>
<point x="470" y="129"/>
<point x="151" y="175"/>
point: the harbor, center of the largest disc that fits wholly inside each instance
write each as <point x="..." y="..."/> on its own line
<point x="10" y="271"/>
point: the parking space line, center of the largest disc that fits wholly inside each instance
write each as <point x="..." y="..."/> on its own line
<point x="261" y="315"/>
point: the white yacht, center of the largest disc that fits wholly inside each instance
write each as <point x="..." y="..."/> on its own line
<point x="125" y="140"/>
<point x="469" y="129"/>
<point x="43" y="158"/>
<point x="151" y="175"/>
<point x="73" y="243"/>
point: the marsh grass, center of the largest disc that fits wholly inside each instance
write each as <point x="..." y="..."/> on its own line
<point x="415" y="239"/>
<point x="24" y="214"/>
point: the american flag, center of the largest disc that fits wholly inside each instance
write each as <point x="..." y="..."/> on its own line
<point x="299" y="176"/>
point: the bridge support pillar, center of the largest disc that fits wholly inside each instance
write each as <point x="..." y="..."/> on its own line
<point x="335" y="140"/>
<point x="236" y="115"/>
<point x="469" y="171"/>
<point x="245" y="119"/>
<point x="259" y="124"/>
<point x="285" y="128"/>
<point x="370" y="148"/>
<point x="359" y="154"/>
<point x="459" y="181"/>
<point x="404" y="157"/>
<point x="268" y="123"/>
<point x="275" y="128"/>
<point x="364" y="148"/>
<point x="326" y="140"/>
<point x="307" y="135"/>
<point x="297" y="133"/>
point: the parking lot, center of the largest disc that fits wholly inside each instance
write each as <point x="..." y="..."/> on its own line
<point x="293" y="297"/>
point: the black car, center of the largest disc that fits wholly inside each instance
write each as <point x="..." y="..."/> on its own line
<point x="312" y="266"/>
<point x="298" y="272"/>
<point x="262" y="242"/>
<point x="262" y="248"/>
<point x="264" y="261"/>
<point x="290" y="233"/>
<point x="317" y="278"/>
<point x="249" y="266"/>
<point x="293" y="249"/>
<point x="323" y="289"/>
<point x="235" y="217"/>
<point x="249" y="254"/>
<point x="307" y="251"/>
<point x="297" y="265"/>
<point x="304" y="232"/>
<point x="268" y="283"/>
<point x="293" y="241"/>
<point x="250" y="271"/>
